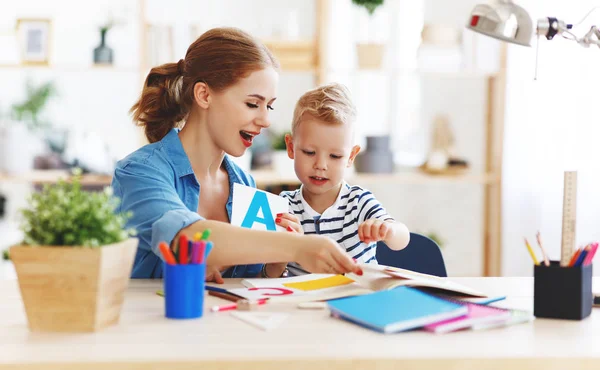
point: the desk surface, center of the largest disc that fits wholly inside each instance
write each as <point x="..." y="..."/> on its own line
<point x="146" y="340"/>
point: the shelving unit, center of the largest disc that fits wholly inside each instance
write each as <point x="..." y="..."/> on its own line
<point x="308" y="55"/>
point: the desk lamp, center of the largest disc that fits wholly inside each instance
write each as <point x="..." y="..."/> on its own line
<point x="507" y="21"/>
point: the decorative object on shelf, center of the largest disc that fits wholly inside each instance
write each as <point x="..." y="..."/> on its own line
<point x="441" y="48"/>
<point x="378" y="158"/>
<point x="370" y="55"/>
<point x="160" y="43"/>
<point x="295" y="55"/>
<point x="34" y="40"/>
<point x="102" y="53"/>
<point x="29" y="110"/>
<point x="21" y="134"/>
<point x="2" y="206"/>
<point x="280" y="161"/>
<point x="443" y="157"/>
<point x="79" y="243"/>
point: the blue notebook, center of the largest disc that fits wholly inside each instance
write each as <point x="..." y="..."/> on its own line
<point x="395" y="310"/>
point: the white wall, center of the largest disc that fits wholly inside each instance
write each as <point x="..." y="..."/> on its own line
<point x="551" y="126"/>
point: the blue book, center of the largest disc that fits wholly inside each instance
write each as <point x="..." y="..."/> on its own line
<point x="395" y="310"/>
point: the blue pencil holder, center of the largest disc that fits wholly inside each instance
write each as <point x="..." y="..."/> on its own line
<point x="184" y="290"/>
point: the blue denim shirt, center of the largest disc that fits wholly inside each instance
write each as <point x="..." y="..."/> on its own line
<point x="156" y="183"/>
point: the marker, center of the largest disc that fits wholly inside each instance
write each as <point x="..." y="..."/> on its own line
<point x="166" y="252"/>
<point x="183" y="249"/>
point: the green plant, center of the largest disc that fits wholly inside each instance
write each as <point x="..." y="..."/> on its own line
<point x="5" y="255"/>
<point x="29" y="110"/>
<point x="370" y="5"/>
<point x="278" y="141"/>
<point x="436" y="238"/>
<point x="65" y="215"/>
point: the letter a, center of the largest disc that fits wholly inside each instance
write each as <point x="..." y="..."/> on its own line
<point x="259" y="202"/>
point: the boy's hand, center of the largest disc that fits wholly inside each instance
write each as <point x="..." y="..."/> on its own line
<point x="290" y="222"/>
<point x="374" y="230"/>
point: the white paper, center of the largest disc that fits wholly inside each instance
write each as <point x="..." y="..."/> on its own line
<point x="261" y="320"/>
<point x="243" y="197"/>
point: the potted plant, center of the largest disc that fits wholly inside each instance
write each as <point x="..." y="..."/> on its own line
<point x="21" y="131"/>
<point x="370" y="54"/>
<point x="74" y="264"/>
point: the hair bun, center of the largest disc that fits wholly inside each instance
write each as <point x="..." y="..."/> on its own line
<point x="180" y="66"/>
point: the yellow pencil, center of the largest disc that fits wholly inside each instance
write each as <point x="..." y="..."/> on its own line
<point x="533" y="257"/>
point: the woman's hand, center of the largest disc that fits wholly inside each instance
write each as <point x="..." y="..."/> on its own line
<point x="290" y="222"/>
<point x="213" y="274"/>
<point x="323" y="255"/>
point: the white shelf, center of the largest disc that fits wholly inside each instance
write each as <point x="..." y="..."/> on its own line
<point x="269" y="178"/>
<point x="425" y="73"/>
<point x="74" y="68"/>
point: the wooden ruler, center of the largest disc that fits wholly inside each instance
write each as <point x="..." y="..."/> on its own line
<point x="569" y="217"/>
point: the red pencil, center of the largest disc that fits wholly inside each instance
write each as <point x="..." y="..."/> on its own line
<point x="234" y="306"/>
<point x="166" y="252"/>
<point x="183" y="249"/>
<point x="575" y="257"/>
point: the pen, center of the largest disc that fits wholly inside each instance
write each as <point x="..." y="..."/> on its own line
<point x="581" y="257"/>
<point x="242" y="305"/>
<point x="544" y="255"/>
<point x="533" y="257"/>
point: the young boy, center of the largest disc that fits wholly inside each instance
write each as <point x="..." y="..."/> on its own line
<point x="322" y="147"/>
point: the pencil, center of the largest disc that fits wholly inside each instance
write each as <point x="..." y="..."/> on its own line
<point x="544" y="255"/>
<point x="533" y="257"/>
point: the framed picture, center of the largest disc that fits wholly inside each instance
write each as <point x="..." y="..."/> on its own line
<point x="34" y="40"/>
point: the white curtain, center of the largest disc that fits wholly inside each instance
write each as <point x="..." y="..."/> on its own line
<point x="552" y="125"/>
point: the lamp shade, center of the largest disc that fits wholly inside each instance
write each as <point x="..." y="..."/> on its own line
<point x="503" y="20"/>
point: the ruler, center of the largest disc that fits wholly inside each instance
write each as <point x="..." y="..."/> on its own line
<point x="569" y="217"/>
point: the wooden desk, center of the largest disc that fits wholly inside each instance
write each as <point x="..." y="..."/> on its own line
<point x="308" y="339"/>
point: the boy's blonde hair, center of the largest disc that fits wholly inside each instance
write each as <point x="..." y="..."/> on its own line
<point x="329" y="103"/>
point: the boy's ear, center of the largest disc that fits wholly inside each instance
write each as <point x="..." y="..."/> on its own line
<point x="289" y="145"/>
<point x="353" y="153"/>
<point x="202" y="95"/>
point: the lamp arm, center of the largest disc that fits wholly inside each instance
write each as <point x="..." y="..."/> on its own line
<point x="550" y="27"/>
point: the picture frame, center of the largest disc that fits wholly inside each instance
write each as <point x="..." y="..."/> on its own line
<point x="33" y="36"/>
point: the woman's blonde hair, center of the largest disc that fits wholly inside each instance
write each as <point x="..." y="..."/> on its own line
<point x="329" y="103"/>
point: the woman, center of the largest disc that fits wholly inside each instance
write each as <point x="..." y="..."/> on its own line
<point x="181" y="183"/>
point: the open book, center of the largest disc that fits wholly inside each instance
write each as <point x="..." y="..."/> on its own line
<point x="322" y="287"/>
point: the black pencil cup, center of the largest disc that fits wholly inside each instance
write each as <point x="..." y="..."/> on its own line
<point x="562" y="292"/>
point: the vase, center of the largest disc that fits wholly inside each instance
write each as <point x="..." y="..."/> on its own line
<point x="378" y="158"/>
<point x="103" y="54"/>
<point x="370" y="55"/>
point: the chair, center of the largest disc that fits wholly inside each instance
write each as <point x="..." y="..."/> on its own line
<point x="421" y="255"/>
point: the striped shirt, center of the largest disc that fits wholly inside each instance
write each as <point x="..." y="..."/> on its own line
<point x="353" y="206"/>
